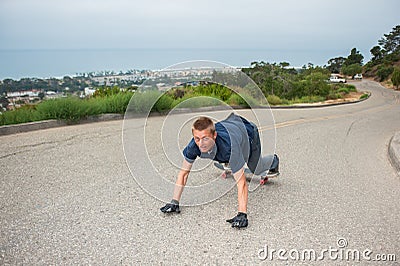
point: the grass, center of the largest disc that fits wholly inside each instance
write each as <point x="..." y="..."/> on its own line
<point x="364" y="96"/>
<point x="70" y="109"/>
<point x="26" y="113"/>
<point x="307" y="99"/>
<point x="73" y="109"/>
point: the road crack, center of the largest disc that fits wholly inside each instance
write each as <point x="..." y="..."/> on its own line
<point x="350" y="127"/>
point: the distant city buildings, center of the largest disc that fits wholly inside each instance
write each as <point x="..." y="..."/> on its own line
<point x="175" y="78"/>
<point x="18" y="98"/>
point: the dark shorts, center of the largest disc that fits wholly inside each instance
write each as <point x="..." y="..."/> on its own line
<point x="255" y="162"/>
<point x="255" y="151"/>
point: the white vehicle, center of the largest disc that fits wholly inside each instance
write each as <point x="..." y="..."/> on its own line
<point x="358" y="76"/>
<point x="336" y="79"/>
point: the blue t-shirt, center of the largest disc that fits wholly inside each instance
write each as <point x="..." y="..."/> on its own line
<point x="232" y="144"/>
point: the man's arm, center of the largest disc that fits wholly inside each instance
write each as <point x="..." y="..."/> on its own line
<point x="242" y="190"/>
<point x="179" y="185"/>
<point x="240" y="220"/>
<point x="181" y="180"/>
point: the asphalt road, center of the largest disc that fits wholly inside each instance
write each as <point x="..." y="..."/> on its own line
<point x="67" y="196"/>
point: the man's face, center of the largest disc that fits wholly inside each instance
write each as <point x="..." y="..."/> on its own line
<point x="204" y="139"/>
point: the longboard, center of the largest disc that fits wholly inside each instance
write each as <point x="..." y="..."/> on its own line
<point x="227" y="171"/>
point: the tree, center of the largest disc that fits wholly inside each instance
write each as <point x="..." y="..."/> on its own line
<point x="377" y="53"/>
<point x="41" y="95"/>
<point x="391" y="42"/>
<point x="3" y="102"/>
<point x="351" y="70"/>
<point x="396" y="78"/>
<point x="284" y="64"/>
<point x="354" y="58"/>
<point x="316" y="84"/>
<point x="335" y="64"/>
<point x="384" y="72"/>
<point x="6" y="86"/>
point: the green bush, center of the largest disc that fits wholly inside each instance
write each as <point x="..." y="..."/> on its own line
<point x="163" y="103"/>
<point x="106" y="91"/>
<point x="384" y="72"/>
<point x="351" y="87"/>
<point x="351" y="70"/>
<point x="333" y="96"/>
<point x="114" y="103"/>
<point x="242" y="99"/>
<point x="236" y="100"/>
<point x="214" y="90"/>
<point x="308" y="99"/>
<point x="197" y="102"/>
<point x="396" y="78"/>
<point x="143" y="102"/>
<point x="118" y="103"/>
<point x="343" y="90"/>
<point x="70" y="109"/>
<point x="249" y="100"/>
<point x="24" y="114"/>
<point x="274" y="100"/>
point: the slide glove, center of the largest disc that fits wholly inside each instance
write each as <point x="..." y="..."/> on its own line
<point x="239" y="221"/>
<point x="171" y="207"/>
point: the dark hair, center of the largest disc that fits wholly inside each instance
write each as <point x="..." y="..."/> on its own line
<point x="203" y="123"/>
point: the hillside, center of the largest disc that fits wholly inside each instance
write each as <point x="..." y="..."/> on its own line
<point x="382" y="71"/>
<point x="386" y="59"/>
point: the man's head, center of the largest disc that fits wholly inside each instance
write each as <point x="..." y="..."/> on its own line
<point x="204" y="133"/>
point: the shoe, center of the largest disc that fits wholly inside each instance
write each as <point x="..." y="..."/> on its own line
<point x="273" y="172"/>
<point x="224" y="166"/>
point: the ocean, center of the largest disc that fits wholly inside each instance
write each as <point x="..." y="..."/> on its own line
<point x="18" y="64"/>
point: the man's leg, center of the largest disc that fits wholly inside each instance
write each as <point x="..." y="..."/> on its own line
<point x="271" y="163"/>
<point x="266" y="165"/>
<point x="263" y="166"/>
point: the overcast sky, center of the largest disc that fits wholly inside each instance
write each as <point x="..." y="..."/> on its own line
<point x="253" y="24"/>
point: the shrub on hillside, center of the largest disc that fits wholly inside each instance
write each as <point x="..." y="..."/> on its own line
<point x="163" y="103"/>
<point x="70" y="109"/>
<point x="24" y="114"/>
<point x="384" y="72"/>
<point x="274" y="100"/>
<point x="396" y="78"/>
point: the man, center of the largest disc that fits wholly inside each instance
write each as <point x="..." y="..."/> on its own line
<point x="235" y="141"/>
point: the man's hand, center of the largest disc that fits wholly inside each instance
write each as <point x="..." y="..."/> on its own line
<point x="171" y="207"/>
<point x="239" y="221"/>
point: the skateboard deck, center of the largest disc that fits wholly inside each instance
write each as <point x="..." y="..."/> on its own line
<point x="227" y="171"/>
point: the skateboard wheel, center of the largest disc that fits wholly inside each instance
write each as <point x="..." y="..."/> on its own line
<point x="263" y="181"/>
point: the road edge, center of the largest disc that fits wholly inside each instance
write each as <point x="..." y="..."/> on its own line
<point x="46" y="124"/>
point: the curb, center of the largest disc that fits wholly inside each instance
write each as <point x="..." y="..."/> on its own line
<point x="32" y="126"/>
<point x="394" y="151"/>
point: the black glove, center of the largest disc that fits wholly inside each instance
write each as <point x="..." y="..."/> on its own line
<point x="171" y="207"/>
<point x="239" y="221"/>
